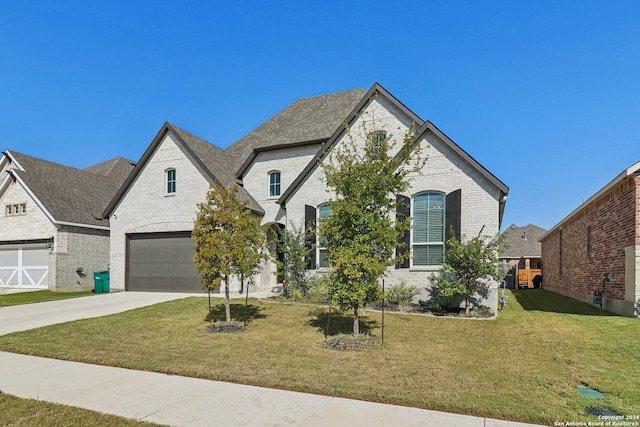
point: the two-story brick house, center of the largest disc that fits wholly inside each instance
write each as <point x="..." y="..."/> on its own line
<point x="278" y="168"/>
<point x="52" y="234"/>
<point x="596" y="248"/>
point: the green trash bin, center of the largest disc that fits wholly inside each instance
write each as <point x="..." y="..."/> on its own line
<point x="101" y="282"/>
<point x="98" y="285"/>
<point x="106" y="279"/>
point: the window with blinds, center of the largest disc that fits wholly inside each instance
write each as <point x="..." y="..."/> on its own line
<point x="428" y="229"/>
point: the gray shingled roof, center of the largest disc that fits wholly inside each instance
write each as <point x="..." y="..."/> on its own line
<point x="307" y="119"/>
<point x="117" y="169"/>
<point x="70" y="194"/>
<point x="522" y="241"/>
<point x="216" y="161"/>
<point x="212" y="159"/>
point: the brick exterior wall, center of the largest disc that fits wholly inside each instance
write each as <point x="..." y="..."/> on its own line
<point x="290" y="162"/>
<point x="594" y="241"/>
<point x="74" y="248"/>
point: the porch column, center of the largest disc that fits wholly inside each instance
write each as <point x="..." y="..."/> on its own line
<point x="632" y="273"/>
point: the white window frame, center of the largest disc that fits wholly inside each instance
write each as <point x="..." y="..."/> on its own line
<point x="427" y="243"/>
<point x="169" y="182"/>
<point x="13" y="209"/>
<point x="273" y="186"/>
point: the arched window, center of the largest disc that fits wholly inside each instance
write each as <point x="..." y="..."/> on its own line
<point x="274" y="183"/>
<point x="323" y="212"/>
<point x="428" y="233"/>
<point x="171" y="181"/>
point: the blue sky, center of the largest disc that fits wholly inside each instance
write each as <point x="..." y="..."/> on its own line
<point x="544" y="94"/>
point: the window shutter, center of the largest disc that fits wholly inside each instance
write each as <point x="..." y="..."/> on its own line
<point x="453" y="214"/>
<point x="403" y="211"/>
<point x="310" y="230"/>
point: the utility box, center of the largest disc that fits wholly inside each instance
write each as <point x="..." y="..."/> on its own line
<point x="597" y="298"/>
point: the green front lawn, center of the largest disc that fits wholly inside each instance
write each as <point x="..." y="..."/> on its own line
<point x="36" y="413"/>
<point x="524" y="366"/>
<point x="37" y="296"/>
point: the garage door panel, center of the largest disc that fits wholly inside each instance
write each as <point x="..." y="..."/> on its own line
<point x="8" y="257"/>
<point x="162" y="262"/>
<point x="24" y="266"/>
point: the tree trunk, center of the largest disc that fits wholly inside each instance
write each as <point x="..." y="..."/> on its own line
<point x="356" y="323"/>
<point x="227" y="307"/>
<point x="467" y="307"/>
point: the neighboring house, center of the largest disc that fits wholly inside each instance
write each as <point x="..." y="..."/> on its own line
<point x="522" y="256"/>
<point x="595" y="251"/>
<point x="278" y="168"/>
<point x="52" y="234"/>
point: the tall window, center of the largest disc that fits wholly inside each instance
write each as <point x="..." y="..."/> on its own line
<point x="377" y="138"/>
<point x="380" y="136"/>
<point x="274" y="183"/>
<point x="428" y="228"/>
<point x="323" y="212"/>
<point x="171" y="181"/>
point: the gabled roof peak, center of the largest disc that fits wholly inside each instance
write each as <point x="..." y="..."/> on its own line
<point x="69" y="195"/>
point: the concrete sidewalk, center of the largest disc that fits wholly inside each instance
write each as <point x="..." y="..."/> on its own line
<point x="182" y="401"/>
<point x="176" y="400"/>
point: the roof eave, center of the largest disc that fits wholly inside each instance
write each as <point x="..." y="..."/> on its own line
<point x="82" y="225"/>
<point x="136" y="170"/>
<point x="32" y="195"/>
<point x="357" y="110"/>
<point x="635" y="168"/>
<point x="462" y="153"/>
<point x="259" y="150"/>
<point x="12" y="159"/>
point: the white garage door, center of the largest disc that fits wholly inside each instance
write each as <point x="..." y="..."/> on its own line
<point x="24" y="267"/>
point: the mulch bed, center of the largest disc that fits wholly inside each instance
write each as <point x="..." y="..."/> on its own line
<point x="351" y="343"/>
<point x="224" y="327"/>
<point x="480" y="313"/>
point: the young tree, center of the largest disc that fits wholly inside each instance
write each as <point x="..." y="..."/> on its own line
<point x="291" y="242"/>
<point x="362" y="232"/>
<point x="468" y="266"/>
<point x="229" y="240"/>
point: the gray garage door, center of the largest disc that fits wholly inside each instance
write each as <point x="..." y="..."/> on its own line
<point x="162" y="262"/>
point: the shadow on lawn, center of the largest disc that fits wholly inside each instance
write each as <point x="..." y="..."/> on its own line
<point x="238" y="313"/>
<point x="544" y="300"/>
<point x="340" y="323"/>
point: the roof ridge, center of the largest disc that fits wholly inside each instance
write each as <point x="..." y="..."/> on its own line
<point x="329" y="94"/>
<point x="57" y="164"/>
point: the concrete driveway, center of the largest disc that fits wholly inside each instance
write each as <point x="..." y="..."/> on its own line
<point x="29" y="316"/>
